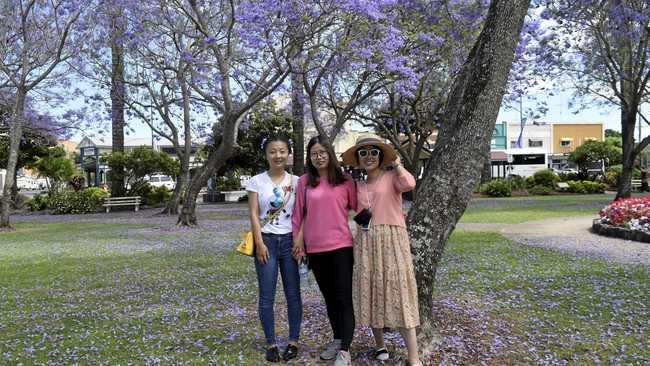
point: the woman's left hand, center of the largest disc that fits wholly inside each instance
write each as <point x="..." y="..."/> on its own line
<point x="397" y="162"/>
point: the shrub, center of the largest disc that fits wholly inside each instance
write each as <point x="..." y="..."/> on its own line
<point x="72" y="202"/>
<point x="594" y="187"/>
<point x="530" y="182"/>
<point x="157" y="196"/>
<point x="636" y="173"/>
<point x="546" y="178"/>
<point x="142" y="190"/>
<point x="38" y="203"/>
<point x="228" y="184"/>
<point x="611" y="178"/>
<point x="576" y="186"/>
<point x="95" y="195"/>
<point x="497" y="188"/>
<point x="540" y="190"/>
<point x="565" y="177"/>
<point x="517" y="183"/>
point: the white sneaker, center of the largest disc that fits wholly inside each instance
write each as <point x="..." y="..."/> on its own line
<point x="331" y="349"/>
<point x="381" y="354"/>
<point x="343" y="359"/>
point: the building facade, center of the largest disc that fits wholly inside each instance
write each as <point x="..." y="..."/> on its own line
<point x="556" y="140"/>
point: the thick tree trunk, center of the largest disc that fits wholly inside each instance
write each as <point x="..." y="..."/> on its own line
<point x="15" y="136"/>
<point x="298" y="123"/>
<point x="215" y="161"/>
<point x="486" y="171"/>
<point x="628" y="123"/>
<point x="171" y="208"/>
<point x="117" y="97"/>
<point x="463" y="143"/>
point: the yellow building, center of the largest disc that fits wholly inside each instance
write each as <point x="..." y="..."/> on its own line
<point x="568" y="136"/>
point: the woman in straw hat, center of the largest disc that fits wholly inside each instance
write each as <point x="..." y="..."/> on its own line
<point x="384" y="290"/>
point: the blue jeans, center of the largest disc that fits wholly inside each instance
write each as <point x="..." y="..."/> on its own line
<point x="279" y="247"/>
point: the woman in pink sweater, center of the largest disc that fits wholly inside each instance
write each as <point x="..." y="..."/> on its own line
<point x="324" y="197"/>
<point x="384" y="287"/>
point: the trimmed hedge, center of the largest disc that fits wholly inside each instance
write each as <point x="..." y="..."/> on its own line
<point x="497" y="188"/>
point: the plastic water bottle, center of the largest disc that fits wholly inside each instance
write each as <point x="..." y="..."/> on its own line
<point x="303" y="269"/>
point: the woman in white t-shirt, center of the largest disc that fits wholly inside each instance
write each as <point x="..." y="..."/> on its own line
<point x="271" y="195"/>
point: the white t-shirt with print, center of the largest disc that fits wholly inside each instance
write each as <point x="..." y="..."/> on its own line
<point x="270" y="197"/>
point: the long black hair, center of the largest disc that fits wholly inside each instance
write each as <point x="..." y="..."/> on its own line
<point x="334" y="174"/>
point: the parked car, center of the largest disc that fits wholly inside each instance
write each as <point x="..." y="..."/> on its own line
<point x="566" y="170"/>
<point x="160" y="180"/>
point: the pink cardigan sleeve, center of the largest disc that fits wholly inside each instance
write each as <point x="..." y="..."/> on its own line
<point x="298" y="208"/>
<point x="403" y="182"/>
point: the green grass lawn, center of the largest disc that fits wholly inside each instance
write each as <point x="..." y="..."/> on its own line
<point x="104" y="293"/>
<point x="514" y="210"/>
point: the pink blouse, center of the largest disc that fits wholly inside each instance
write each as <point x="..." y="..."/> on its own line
<point x="326" y="220"/>
<point x="384" y="197"/>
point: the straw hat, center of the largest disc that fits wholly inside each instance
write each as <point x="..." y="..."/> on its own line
<point x="349" y="156"/>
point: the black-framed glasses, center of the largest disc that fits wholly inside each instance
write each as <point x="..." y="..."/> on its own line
<point x="319" y="154"/>
<point x="364" y="152"/>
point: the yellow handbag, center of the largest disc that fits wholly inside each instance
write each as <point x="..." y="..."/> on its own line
<point x="247" y="244"/>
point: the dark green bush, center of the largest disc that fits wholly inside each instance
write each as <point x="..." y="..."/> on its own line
<point x="546" y="178"/>
<point x="517" y="183"/>
<point x="530" y="182"/>
<point x="576" y="186"/>
<point x="636" y="173"/>
<point x="565" y="177"/>
<point x="594" y="187"/>
<point x="38" y="203"/>
<point x="71" y="202"/>
<point x="228" y="184"/>
<point x="157" y="196"/>
<point x="540" y="191"/>
<point x="497" y="188"/>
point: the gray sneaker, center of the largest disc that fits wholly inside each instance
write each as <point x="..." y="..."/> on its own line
<point x="343" y="359"/>
<point x="331" y="349"/>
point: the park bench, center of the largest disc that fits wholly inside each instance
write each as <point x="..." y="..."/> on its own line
<point x="121" y="201"/>
<point x="636" y="184"/>
<point x="562" y="186"/>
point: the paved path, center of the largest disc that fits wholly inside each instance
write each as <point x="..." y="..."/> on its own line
<point x="570" y="234"/>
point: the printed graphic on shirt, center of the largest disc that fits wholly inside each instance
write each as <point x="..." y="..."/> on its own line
<point x="277" y="202"/>
<point x="271" y="197"/>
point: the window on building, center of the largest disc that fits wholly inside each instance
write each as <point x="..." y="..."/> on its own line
<point x="535" y="143"/>
<point x="529" y="159"/>
<point x="566" y="142"/>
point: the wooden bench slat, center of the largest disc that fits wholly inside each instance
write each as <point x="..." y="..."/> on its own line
<point x="121" y="201"/>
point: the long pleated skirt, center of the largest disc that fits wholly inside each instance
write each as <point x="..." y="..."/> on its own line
<point x="383" y="287"/>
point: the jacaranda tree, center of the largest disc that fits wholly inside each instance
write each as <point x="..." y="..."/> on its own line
<point x="36" y="37"/>
<point x="453" y="170"/>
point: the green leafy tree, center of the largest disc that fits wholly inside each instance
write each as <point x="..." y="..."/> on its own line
<point x="250" y="158"/>
<point x="613" y="133"/>
<point x="133" y="167"/>
<point x="56" y="167"/>
<point x="592" y="152"/>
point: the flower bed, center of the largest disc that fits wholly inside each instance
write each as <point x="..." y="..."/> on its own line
<point x="626" y="218"/>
